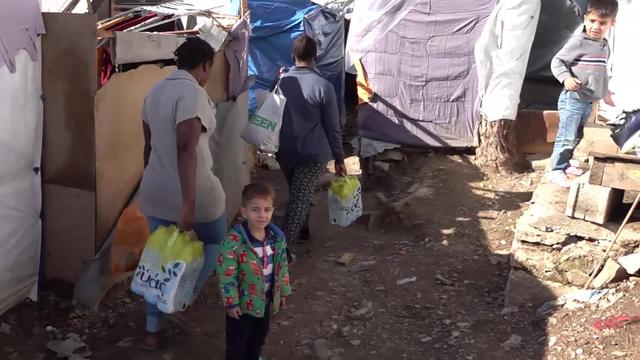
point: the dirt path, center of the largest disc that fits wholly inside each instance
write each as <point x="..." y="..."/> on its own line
<point x="455" y="224"/>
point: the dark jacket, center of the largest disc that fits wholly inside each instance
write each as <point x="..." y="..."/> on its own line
<point x="311" y="121"/>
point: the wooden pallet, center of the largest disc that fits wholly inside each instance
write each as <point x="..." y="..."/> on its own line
<point x="616" y="171"/>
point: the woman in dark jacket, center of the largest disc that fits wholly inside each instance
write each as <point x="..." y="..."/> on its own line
<point x="310" y="134"/>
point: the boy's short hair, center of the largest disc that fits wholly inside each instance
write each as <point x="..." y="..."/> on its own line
<point x="603" y="8"/>
<point x="257" y="191"/>
<point x="305" y="48"/>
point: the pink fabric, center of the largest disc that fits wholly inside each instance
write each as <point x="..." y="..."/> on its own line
<point x="20" y="24"/>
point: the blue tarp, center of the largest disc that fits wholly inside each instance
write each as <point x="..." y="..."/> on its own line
<point x="274" y="27"/>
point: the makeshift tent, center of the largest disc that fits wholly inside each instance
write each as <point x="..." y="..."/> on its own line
<point x="20" y="182"/>
<point x="118" y="105"/>
<point x="416" y="61"/>
<point x="275" y="25"/>
<point x="92" y="135"/>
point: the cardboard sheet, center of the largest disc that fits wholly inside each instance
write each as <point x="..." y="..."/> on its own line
<point x="69" y="84"/>
<point x="70" y="228"/>
<point x="120" y="141"/>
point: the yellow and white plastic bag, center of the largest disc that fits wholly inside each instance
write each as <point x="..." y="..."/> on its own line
<point x="168" y="270"/>
<point x="345" y="200"/>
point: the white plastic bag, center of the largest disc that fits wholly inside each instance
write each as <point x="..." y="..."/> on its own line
<point x="263" y="129"/>
<point x="345" y="200"/>
<point x="168" y="270"/>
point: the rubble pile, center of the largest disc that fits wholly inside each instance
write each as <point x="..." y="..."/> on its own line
<point x="553" y="255"/>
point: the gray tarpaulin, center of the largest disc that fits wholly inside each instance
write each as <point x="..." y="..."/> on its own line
<point x="327" y="29"/>
<point x="423" y="74"/>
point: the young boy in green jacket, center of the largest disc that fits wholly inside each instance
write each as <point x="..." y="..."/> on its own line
<point x="254" y="278"/>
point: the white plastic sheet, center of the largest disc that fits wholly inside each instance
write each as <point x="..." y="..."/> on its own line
<point x="20" y="185"/>
<point x="625" y="76"/>
<point x="502" y="53"/>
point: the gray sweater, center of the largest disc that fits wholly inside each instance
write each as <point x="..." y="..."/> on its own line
<point x="587" y="60"/>
<point x="311" y="121"/>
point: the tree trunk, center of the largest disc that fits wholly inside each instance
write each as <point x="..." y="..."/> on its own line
<point x="498" y="150"/>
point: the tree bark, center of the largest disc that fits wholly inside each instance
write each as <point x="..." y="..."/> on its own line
<point x="498" y="149"/>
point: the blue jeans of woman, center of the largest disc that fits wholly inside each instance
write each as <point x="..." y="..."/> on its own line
<point x="574" y="113"/>
<point x="211" y="234"/>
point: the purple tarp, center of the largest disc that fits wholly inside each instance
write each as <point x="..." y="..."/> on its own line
<point x="423" y="73"/>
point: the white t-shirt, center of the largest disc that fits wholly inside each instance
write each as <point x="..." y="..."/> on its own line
<point x="177" y="98"/>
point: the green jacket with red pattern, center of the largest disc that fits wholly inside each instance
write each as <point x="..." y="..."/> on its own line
<point x="241" y="279"/>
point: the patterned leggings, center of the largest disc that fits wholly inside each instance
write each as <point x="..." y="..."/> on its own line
<point x="302" y="180"/>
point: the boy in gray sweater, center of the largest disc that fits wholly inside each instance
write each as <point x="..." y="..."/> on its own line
<point x="582" y="67"/>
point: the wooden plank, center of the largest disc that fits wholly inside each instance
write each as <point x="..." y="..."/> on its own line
<point x="69" y="84"/>
<point x="537" y="126"/>
<point x="616" y="157"/>
<point x="597" y="138"/>
<point x="622" y="175"/>
<point x="218" y="85"/>
<point x="120" y="142"/>
<point x="68" y="230"/>
<point x="592" y="203"/>
<point x="597" y="171"/>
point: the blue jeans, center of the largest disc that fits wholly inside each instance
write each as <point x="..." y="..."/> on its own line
<point x="574" y="113"/>
<point x="211" y="234"/>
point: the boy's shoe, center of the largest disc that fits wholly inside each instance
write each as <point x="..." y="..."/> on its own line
<point x="559" y="178"/>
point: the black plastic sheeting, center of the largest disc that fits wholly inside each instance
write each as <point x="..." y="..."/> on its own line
<point x="558" y="20"/>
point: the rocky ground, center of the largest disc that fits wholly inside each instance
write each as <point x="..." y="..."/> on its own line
<point x="426" y="281"/>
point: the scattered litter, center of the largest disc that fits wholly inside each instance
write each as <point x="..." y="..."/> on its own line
<point x="355" y="342"/>
<point x="619" y="354"/>
<point x="5" y="329"/>
<point x="610" y="300"/>
<point x="552" y="341"/>
<point x="346" y="259"/>
<point x="363" y="266"/>
<point x="406" y="280"/>
<point x="391" y="155"/>
<point x="444" y="280"/>
<point x="615" y="322"/>
<point x="509" y="310"/>
<point x="630" y="263"/>
<point x="126" y="342"/>
<point x="71" y="346"/>
<point x="366" y="308"/>
<point x="514" y="341"/>
<point x="550" y="307"/>
<point x="586" y="296"/>
<point x="450" y="231"/>
<point x="426" y="339"/>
